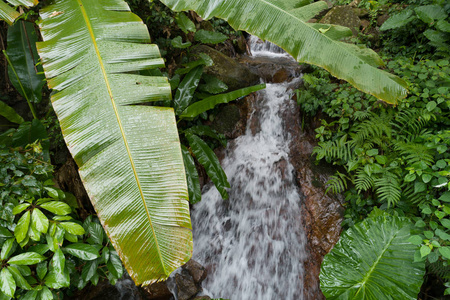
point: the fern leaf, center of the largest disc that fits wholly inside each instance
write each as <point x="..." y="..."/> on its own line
<point x="363" y="181"/>
<point x="388" y="188"/>
<point x="415" y="153"/>
<point x="337" y="183"/>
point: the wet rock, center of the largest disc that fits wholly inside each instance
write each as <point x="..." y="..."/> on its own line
<point x="185" y="286"/>
<point x="202" y="298"/>
<point x="226" y="120"/>
<point x="234" y="74"/>
<point x="273" y="69"/>
<point x="196" y="270"/>
<point x="157" y="291"/>
<point x="321" y="213"/>
<point x="344" y="16"/>
<point x="68" y="179"/>
<point x="381" y="19"/>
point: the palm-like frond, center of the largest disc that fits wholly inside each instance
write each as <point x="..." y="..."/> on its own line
<point x="129" y="155"/>
<point x="285" y="24"/>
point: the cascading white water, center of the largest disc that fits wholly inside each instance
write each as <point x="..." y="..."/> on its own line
<point x="253" y="244"/>
<point x="264" y="48"/>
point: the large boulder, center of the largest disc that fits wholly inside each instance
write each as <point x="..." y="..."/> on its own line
<point x="234" y="74"/>
<point x="345" y="16"/>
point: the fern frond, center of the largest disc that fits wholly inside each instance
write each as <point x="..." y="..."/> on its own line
<point x="376" y="126"/>
<point x="409" y="195"/>
<point x="361" y="115"/>
<point x="388" y="188"/>
<point x="409" y="123"/>
<point x="337" y="183"/>
<point x="415" y="153"/>
<point x="332" y="150"/>
<point x="440" y="269"/>
<point x="363" y="181"/>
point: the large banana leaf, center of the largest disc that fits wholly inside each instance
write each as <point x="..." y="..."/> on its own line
<point x="373" y="260"/>
<point x="284" y="23"/>
<point x="9" y="14"/>
<point x="128" y="155"/>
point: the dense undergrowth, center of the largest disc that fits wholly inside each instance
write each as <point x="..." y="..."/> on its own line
<point x="393" y="158"/>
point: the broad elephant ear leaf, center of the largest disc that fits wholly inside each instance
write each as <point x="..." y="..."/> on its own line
<point x="373" y="260"/>
<point x="128" y="154"/>
<point x="285" y="24"/>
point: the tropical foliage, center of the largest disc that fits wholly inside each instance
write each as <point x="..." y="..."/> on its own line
<point x="288" y="23"/>
<point x="394" y="158"/>
<point x="364" y="264"/>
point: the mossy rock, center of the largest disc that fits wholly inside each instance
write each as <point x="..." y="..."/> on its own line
<point x="234" y="74"/>
<point x="344" y="16"/>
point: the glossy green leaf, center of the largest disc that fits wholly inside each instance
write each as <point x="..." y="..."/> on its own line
<point x="57" y="207"/>
<point x="22" y="38"/>
<point x="26" y="3"/>
<point x="18" y="278"/>
<point x="45" y="293"/>
<point x="114" y="265"/>
<point x="445" y="252"/>
<point x="39" y="220"/>
<point x="7" y="248"/>
<point x="20" y="208"/>
<point x="210" y="37"/>
<point x="128" y="154"/>
<point x="209" y="160"/>
<point x="178" y="43"/>
<point x="212" y="85"/>
<point x="7" y="283"/>
<point x="290" y="31"/>
<point x="373" y="260"/>
<point x="203" y="60"/>
<point x="41" y="269"/>
<point x="83" y="251"/>
<point x="31" y="295"/>
<point x="5" y="233"/>
<point x="195" y="193"/>
<point x="27" y="258"/>
<point x="9" y="113"/>
<point x="7" y="13"/>
<point x="96" y="232"/>
<point x="185" y="24"/>
<point x="72" y="228"/>
<point x="58" y="261"/>
<point x="21" y="229"/>
<point x="208" y="103"/>
<point x="90" y="269"/>
<point x="186" y="89"/>
<point x="429" y="13"/>
<point x="202" y="130"/>
<point x="398" y="20"/>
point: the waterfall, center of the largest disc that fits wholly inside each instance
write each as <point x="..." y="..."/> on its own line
<point x="252" y="244"/>
<point x="264" y="48"/>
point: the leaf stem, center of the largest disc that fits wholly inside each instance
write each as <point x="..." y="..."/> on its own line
<point x="33" y="111"/>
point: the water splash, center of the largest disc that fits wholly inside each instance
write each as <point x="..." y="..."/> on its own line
<point x="264" y="48"/>
<point x="253" y="244"/>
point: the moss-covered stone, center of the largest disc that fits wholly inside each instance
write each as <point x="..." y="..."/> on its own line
<point x="234" y="74"/>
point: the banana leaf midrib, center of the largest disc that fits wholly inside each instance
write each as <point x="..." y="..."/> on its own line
<point x="105" y="76"/>
<point x="375" y="265"/>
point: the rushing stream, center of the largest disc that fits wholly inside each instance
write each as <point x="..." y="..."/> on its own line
<point x="253" y="244"/>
